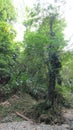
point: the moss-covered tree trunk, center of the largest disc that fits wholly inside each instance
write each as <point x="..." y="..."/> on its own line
<point x="51" y="86"/>
<point x="54" y="65"/>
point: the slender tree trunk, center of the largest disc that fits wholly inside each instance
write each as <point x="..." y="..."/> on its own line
<point x="51" y="86"/>
<point x="52" y="72"/>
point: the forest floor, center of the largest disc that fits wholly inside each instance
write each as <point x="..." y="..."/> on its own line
<point x="13" y="115"/>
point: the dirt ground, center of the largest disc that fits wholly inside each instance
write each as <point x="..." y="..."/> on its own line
<point x="9" y="120"/>
<point x="30" y="125"/>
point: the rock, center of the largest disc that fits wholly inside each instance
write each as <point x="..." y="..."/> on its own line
<point x="66" y="126"/>
<point x="71" y="128"/>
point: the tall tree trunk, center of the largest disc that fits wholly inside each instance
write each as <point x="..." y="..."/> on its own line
<point x="51" y="86"/>
<point x="52" y="71"/>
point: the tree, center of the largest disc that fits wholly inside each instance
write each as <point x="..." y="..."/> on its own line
<point x="54" y="64"/>
<point x="48" y="34"/>
<point x="7" y="35"/>
<point x="7" y="11"/>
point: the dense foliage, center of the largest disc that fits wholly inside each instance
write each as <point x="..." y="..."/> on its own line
<point x="7" y="47"/>
<point x="38" y="65"/>
<point x="43" y="48"/>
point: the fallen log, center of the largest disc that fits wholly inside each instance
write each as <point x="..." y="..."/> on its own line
<point x="24" y="117"/>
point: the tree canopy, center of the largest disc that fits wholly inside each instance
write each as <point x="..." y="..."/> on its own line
<point x="7" y="35"/>
<point x="7" y="11"/>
